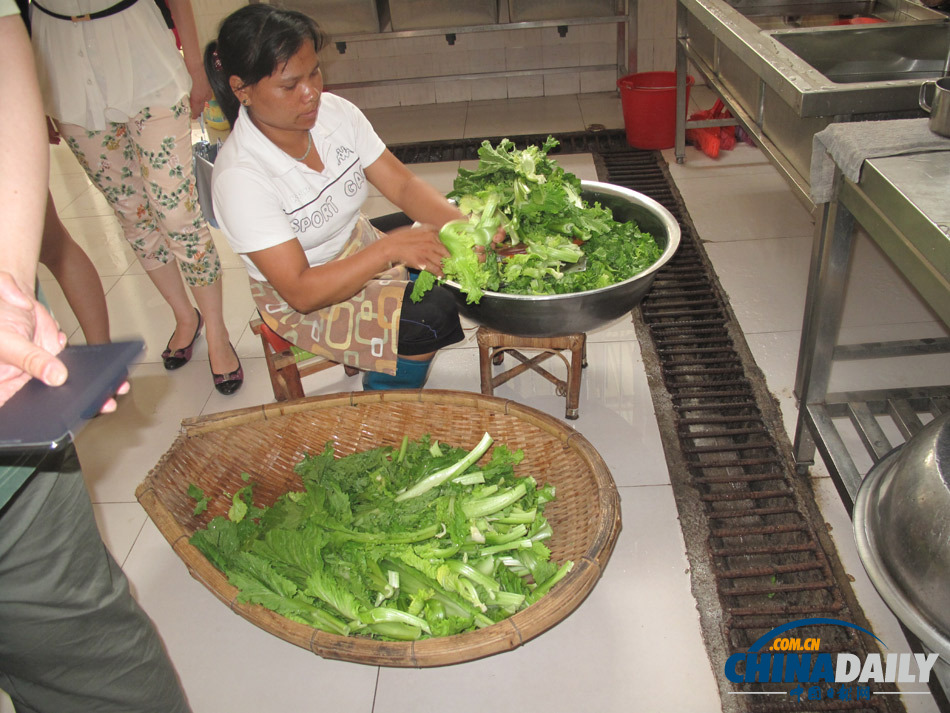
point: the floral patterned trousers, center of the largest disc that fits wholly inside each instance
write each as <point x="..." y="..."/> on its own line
<point x="144" y="169"/>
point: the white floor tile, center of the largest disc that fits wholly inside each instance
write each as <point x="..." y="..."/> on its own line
<point x="60" y="307"/>
<point x="87" y="203"/>
<point x="581" y="165"/>
<point x="732" y="207"/>
<point x="603" y="109"/>
<point x="66" y="187"/>
<point x="103" y="241"/>
<point x="524" y="116"/>
<point x="776" y="354"/>
<point x="119" y="524"/>
<point x="612" y="654"/>
<point x="765" y="280"/>
<point x="227" y="663"/>
<point x="877" y="293"/>
<point x="743" y="160"/>
<point x="62" y="160"/>
<point x="435" y="122"/>
<point x="118" y="450"/>
<point x="229" y="259"/>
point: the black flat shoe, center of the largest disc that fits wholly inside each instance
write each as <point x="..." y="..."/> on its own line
<point x="228" y="383"/>
<point x="178" y="358"/>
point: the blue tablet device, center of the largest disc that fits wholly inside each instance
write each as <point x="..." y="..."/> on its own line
<point x="40" y="417"/>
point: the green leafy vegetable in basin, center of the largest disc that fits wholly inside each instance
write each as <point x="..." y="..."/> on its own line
<point x="550" y="229"/>
<point x="393" y="543"/>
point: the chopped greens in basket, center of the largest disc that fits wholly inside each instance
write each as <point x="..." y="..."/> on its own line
<point x="392" y="543"/>
<point x="549" y="228"/>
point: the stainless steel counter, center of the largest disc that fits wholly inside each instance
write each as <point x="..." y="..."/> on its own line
<point x="902" y="203"/>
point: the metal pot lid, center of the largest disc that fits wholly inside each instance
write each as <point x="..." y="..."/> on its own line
<point x="902" y="528"/>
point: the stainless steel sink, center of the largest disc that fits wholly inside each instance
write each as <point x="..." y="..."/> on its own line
<point x="872" y="53"/>
<point x="785" y="84"/>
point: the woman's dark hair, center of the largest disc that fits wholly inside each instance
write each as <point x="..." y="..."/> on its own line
<point x="252" y="43"/>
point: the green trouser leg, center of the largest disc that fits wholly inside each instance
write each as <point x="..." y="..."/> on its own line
<point x="409" y="375"/>
<point x="72" y="638"/>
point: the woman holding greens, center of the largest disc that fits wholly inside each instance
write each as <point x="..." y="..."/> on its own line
<point x="289" y="185"/>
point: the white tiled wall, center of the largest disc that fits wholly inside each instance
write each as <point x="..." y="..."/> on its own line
<point x="532" y="50"/>
<point x="399" y="60"/>
<point x="208" y="15"/>
<point x="656" y="35"/>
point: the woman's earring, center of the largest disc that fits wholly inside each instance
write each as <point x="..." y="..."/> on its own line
<point x="245" y="102"/>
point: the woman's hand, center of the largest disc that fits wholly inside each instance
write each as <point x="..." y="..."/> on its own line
<point x="200" y="92"/>
<point x="52" y="131"/>
<point x="419" y="247"/>
<point x="499" y="237"/>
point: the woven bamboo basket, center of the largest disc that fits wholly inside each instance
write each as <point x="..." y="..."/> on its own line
<point x="267" y="441"/>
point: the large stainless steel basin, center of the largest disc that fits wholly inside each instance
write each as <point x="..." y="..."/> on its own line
<point x="902" y="533"/>
<point x="581" y="312"/>
<point x="872" y="53"/>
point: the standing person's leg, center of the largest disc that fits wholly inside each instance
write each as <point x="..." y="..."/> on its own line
<point x="72" y="638"/>
<point x="77" y="277"/>
<point x="163" y="141"/>
<point x="111" y="162"/>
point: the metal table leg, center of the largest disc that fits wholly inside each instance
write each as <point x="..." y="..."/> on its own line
<point x="681" y="71"/>
<point x="831" y="253"/>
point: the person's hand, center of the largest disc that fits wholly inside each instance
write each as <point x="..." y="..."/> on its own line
<point x="499" y="237"/>
<point x="111" y="405"/>
<point x="419" y="247"/>
<point x="200" y="92"/>
<point x="30" y="339"/>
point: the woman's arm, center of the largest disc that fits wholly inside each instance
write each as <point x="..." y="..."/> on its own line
<point x="184" y="17"/>
<point x="416" y="198"/>
<point x="307" y="288"/>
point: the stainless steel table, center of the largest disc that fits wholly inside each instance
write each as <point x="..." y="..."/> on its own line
<point x="903" y="203"/>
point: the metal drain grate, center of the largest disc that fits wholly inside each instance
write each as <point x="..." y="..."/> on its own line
<point x="751" y="524"/>
<point x="759" y="553"/>
<point x="595" y="142"/>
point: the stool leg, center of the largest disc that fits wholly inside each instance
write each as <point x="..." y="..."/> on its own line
<point x="292" y="388"/>
<point x="286" y="381"/>
<point x="578" y="362"/>
<point x="484" y="368"/>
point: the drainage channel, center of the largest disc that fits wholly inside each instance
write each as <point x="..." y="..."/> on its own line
<point x="759" y="552"/>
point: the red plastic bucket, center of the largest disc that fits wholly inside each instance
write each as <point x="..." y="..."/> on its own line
<point x="649" y="108"/>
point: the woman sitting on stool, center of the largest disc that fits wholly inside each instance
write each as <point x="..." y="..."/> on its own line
<point x="288" y="186"/>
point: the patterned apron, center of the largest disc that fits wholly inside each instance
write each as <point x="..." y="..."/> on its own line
<point x="362" y="331"/>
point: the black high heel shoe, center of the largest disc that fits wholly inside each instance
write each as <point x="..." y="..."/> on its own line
<point x="228" y="383"/>
<point x="178" y="358"/>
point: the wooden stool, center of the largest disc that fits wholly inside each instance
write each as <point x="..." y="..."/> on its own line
<point x="284" y="369"/>
<point x="493" y="345"/>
